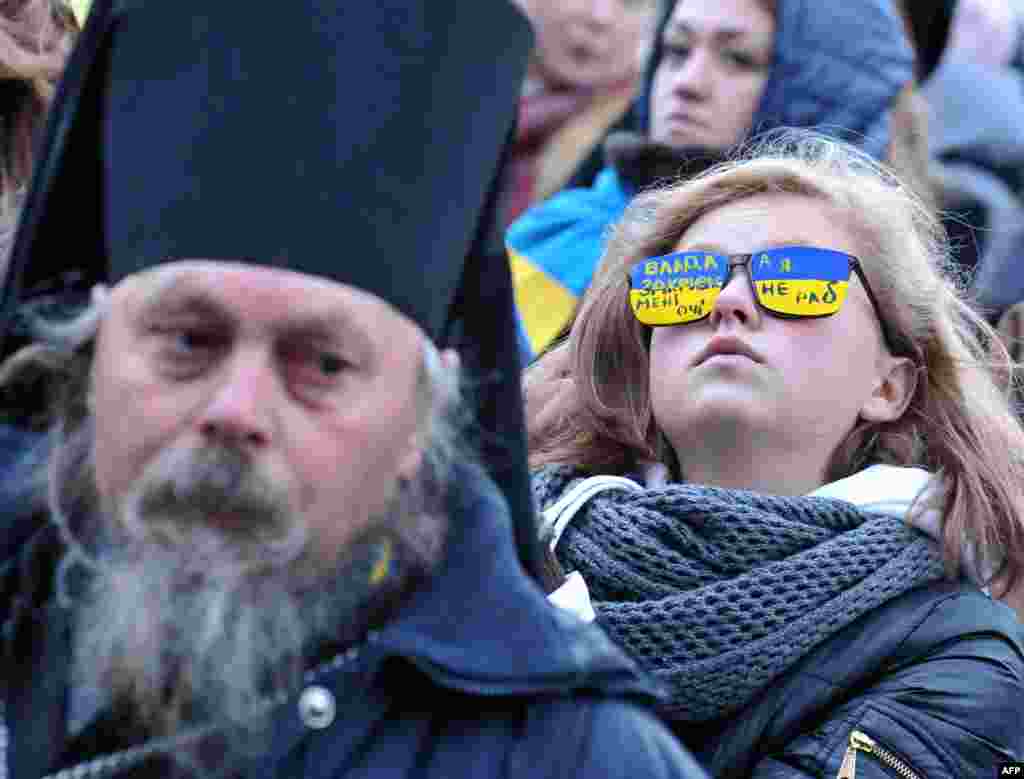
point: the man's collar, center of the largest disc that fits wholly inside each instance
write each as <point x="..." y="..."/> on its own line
<point x="482" y="624"/>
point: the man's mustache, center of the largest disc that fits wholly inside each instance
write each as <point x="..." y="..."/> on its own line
<point x="219" y="487"/>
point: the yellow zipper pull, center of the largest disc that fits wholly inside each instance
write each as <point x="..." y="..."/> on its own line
<point x="858" y="741"/>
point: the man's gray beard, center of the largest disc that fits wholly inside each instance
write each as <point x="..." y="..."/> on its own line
<point x="190" y="623"/>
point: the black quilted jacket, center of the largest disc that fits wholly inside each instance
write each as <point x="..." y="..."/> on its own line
<point x="931" y="685"/>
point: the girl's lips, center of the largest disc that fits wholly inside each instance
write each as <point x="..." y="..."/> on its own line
<point x="724" y="346"/>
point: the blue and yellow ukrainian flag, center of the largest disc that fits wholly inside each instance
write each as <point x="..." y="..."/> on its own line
<point x="553" y="250"/>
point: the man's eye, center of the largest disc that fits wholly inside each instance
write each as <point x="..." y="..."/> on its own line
<point x="315" y="367"/>
<point x="186" y="341"/>
<point x="185" y="351"/>
<point x="330" y="364"/>
<point x="193" y="340"/>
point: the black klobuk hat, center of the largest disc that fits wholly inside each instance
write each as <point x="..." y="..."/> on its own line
<point x="362" y="142"/>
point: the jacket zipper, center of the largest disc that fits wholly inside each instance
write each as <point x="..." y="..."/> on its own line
<point x="862" y="742"/>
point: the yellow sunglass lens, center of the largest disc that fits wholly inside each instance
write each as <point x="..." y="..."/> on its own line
<point x="671" y="306"/>
<point x="676" y="288"/>
<point x="801" y="297"/>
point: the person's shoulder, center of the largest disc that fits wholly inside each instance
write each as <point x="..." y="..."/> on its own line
<point x="915" y="625"/>
<point x="607" y="738"/>
<point x="627" y="741"/>
<point x="583" y="734"/>
<point x="946" y="611"/>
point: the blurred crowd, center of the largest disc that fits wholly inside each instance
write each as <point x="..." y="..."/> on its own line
<point x="932" y="87"/>
<point x="621" y="94"/>
<point x="35" y="39"/>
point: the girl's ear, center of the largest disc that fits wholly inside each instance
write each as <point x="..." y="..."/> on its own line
<point x="897" y="382"/>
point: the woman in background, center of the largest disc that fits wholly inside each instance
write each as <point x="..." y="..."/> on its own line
<point x="583" y="74"/>
<point x="35" y="39"/>
<point x="719" y="72"/>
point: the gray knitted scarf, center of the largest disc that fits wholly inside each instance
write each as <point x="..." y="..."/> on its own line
<point x="717" y="592"/>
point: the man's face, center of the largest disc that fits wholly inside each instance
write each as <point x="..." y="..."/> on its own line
<point x="310" y="382"/>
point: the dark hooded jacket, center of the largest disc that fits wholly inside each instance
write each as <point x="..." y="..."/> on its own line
<point x="841" y="84"/>
<point x="478" y="676"/>
<point x="935" y="678"/>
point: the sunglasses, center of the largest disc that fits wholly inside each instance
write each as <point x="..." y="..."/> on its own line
<point x="792" y="282"/>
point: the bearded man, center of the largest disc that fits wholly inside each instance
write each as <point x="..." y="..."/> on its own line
<point x="257" y="546"/>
